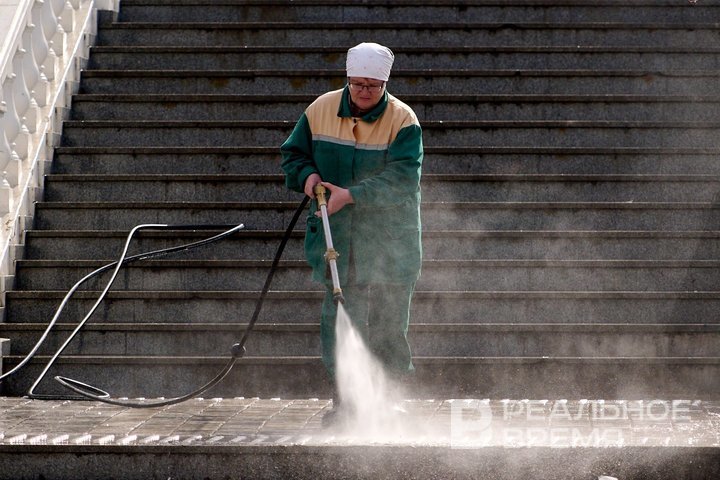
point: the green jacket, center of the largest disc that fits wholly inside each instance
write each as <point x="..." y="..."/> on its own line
<point x="378" y="157"/>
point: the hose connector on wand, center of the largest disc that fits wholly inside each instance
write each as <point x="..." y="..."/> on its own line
<point x="331" y="254"/>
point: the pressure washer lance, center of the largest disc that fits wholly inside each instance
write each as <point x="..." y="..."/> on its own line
<point x="331" y="254"/>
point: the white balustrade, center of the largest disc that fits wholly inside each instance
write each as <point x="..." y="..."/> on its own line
<point x="41" y="58"/>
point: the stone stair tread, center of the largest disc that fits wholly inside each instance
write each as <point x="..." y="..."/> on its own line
<point x="491" y="305"/>
<point x="428" y="177"/>
<point x="430" y="124"/>
<point x="165" y="360"/>
<point x="601" y="133"/>
<point x="181" y="205"/>
<point x="615" y="328"/>
<point x="174" y="177"/>
<point x="463" y="263"/>
<point x="300" y="58"/>
<point x="460" y="25"/>
<point x="511" y="275"/>
<point x="480" y="150"/>
<point x="159" y="360"/>
<point x="407" y="98"/>
<point x="456" y="49"/>
<point x="291" y="205"/>
<point x="420" y="294"/>
<point x="167" y="327"/>
<point x="442" y="31"/>
<point x="156" y="233"/>
<point x="600" y="215"/>
<point x="426" y="233"/>
<point x="149" y="150"/>
<point x="428" y="107"/>
<point x="427" y="72"/>
<point x="390" y="3"/>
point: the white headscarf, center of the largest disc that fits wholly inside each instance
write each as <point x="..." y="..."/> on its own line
<point x="369" y="60"/>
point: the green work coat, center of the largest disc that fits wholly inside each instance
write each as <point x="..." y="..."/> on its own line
<point x="378" y="157"/>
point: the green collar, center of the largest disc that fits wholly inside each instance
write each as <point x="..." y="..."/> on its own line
<point x="345" y="112"/>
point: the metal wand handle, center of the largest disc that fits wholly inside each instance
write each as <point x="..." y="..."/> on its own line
<point x="330" y="254"/>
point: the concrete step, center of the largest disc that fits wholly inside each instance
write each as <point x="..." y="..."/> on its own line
<point x="435" y="133"/>
<point x="477" y="160"/>
<point x="203" y="188"/>
<point x="437" y="245"/>
<point x="427" y="107"/>
<point x="274" y="438"/>
<point x="175" y="160"/>
<point x="436" y="377"/>
<point x="292" y="306"/>
<point x="446" y="215"/>
<point x="91" y="244"/>
<point x="503" y="275"/>
<point x="407" y="33"/>
<point x="435" y="187"/>
<point x="383" y="11"/>
<point x="567" y="81"/>
<point x="430" y="57"/>
<point x="437" y="340"/>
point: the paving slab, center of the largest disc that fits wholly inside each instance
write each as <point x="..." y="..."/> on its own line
<point x="467" y="423"/>
<point x="433" y="438"/>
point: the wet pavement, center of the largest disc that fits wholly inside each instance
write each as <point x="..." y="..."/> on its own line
<point x="461" y="423"/>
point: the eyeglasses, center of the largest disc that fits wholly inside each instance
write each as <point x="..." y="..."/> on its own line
<point x="359" y="87"/>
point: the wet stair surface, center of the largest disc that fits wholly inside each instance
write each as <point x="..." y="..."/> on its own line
<point x="569" y="196"/>
<point x="283" y="438"/>
<point x="570" y="186"/>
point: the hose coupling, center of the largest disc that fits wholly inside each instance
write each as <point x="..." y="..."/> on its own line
<point x="237" y="350"/>
<point x="331" y="255"/>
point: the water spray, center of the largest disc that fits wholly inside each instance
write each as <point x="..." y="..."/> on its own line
<point x="331" y="254"/>
<point x="360" y="377"/>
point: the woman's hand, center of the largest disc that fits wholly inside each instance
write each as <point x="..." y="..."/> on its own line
<point x="310" y="182"/>
<point x="337" y="199"/>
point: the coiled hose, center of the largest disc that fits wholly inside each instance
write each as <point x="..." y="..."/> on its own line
<point x="90" y="392"/>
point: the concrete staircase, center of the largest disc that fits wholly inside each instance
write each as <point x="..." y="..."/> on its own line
<point x="570" y="194"/>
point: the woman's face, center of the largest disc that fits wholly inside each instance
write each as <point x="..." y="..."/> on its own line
<point x="365" y="92"/>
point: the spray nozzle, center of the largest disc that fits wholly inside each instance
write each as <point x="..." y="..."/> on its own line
<point x="338" y="297"/>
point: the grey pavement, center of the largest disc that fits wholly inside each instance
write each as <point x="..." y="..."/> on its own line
<point x="462" y="423"/>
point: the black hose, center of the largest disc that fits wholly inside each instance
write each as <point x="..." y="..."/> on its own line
<point x="90" y="392"/>
<point x="122" y="261"/>
<point x="127" y="260"/>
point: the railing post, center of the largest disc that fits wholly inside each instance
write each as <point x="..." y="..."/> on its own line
<point x="40" y="66"/>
